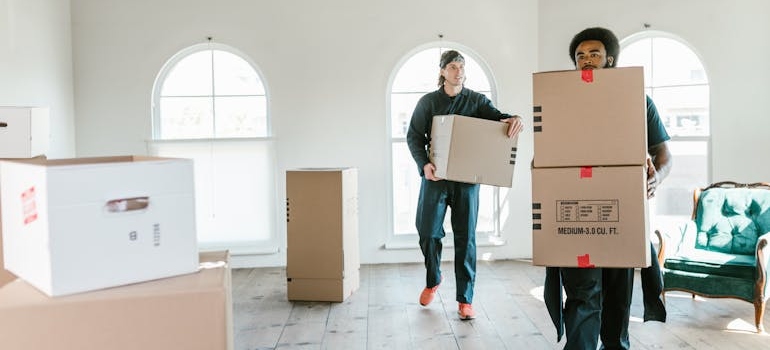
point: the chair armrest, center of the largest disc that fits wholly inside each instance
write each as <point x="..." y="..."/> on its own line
<point x="661" y="249"/>
<point x="763" y="255"/>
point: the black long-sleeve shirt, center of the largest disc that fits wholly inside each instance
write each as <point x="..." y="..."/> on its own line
<point x="467" y="103"/>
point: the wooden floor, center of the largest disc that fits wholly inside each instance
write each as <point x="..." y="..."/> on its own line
<point x="384" y="314"/>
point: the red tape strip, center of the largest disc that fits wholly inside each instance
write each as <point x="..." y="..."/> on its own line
<point x="586" y="172"/>
<point x="584" y="261"/>
<point x="587" y="75"/>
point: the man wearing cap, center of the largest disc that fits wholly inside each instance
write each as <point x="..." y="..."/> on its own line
<point x="437" y="194"/>
<point x="599" y="299"/>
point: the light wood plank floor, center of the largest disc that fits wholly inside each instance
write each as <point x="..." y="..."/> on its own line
<point x="384" y="314"/>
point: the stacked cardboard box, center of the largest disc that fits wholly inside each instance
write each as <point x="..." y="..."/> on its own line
<point x="77" y="225"/>
<point x="24" y="134"/>
<point x="589" y="175"/>
<point x="322" y="234"/>
<point x="105" y="250"/>
<point x="192" y="311"/>
<point x="472" y="150"/>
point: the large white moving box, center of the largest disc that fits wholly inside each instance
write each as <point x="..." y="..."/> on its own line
<point x="75" y="225"/>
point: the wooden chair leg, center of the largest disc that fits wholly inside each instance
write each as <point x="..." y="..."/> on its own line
<point x="759" y="313"/>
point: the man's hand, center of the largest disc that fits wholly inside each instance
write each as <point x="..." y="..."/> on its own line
<point x="430" y="172"/>
<point x="652" y="178"/>
<point x="515" y="125"/>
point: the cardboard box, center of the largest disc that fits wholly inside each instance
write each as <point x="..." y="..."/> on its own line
<point x="589" y="118"/>
<point x="24" y="132"/>
<point x="472" y="150"/>
<point x="192" y="312"/>
<point x="5" y="275"/>
<point x="590" y="217"/>
<point x="322" y="257"/>
<point x="323" y="289"/>
<point x="76" y="225"/>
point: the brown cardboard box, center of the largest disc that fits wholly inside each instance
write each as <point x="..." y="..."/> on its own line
<point x="579" y="123"/>
<point x="472" y="150"/>
<point x="187" y="312"/>
<point x="322" y="234"/>
<point x="590" y="216"/>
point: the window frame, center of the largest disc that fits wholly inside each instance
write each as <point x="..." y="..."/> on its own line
<point x="271" y="244"/>
<point x="184" y="53"/>
<point x="650" y="88"/>
<point x="410" y="240"/>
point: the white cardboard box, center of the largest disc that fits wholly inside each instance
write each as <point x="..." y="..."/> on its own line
<point x="24" y="132"/>
<point x="472" y="150"/>
<point x="76" y="225"/>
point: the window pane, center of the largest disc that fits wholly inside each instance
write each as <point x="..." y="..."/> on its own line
<point x="487" y="203"/>
<point x="690" y="171"/>
<point x="638" y="54"/>
<point x="406" y="189"/>
<point x="418" y="76"/>
<point x="675" y="64"/>
<point x="419" y="73"/>
<point x="242" y="116"/>
<point x="401" y="108"/>
<point x="234" y="76"/>
<point x="191" y="76"/>
<point x="186" y="118"/>
<point x="234" y="188"/>
<point x="684" y="109"/>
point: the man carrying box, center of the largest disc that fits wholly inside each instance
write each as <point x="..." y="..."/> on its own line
<point x="599" y="299"/>
<point x="436" y="194"/>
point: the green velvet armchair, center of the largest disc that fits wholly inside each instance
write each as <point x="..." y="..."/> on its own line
<point x="722" y="252"/>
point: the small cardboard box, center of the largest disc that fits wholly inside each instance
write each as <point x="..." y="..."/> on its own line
<point x="24" y="132"/>
<point x="472" y="150"/>
<point x="322" y="250"/>
<point x="590" y="217"/>
<point x="589" y="118"/>
<point x="192" y="312"/>
<point x="76" y="225"/>
<point x="5" y="275"/>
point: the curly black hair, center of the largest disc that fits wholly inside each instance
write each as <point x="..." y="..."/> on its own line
<point x="606" y="36"/>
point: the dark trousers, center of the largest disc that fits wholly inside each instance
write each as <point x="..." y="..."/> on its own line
<point x="598" y="305"/>
<point x="463" y="199"/>
<point x="652" y="289"/>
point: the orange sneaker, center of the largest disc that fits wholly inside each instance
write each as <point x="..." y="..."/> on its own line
<point x="466" y="311"/>
<point x="428" y="293"/>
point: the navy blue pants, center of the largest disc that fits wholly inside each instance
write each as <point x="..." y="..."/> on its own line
<point x="463" y="199"/>
<point x="598" y="305"/>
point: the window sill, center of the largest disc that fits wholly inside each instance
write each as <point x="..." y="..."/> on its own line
<point x="411" y="241"/>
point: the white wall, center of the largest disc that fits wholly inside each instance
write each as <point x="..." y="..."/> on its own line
<point x="327" y="64"/>
<point x="733" y="41"/>
<point x="36" y="64"/>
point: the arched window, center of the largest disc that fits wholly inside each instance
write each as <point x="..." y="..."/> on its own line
<point x="416" y="75"/>
<point x="677" y="81"/>
<point x="210" y="105"/>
